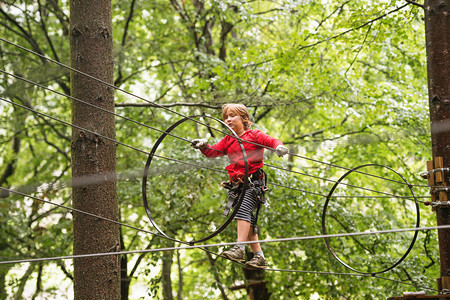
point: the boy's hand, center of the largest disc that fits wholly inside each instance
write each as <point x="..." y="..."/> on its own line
<point x="199" y="144"/>
<point x="281" y="150"/>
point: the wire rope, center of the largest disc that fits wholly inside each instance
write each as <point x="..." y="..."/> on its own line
<point x="92" y="105"/>
<point x="134" y="148"/>
<point x="164" y="132"/>
<point x="278" y="240"/>
<point x="203" y="247"/>
<point x="82" y="212"/>
<point x="108" y="138"/>
<point x="346" y="184"/>
<point x="184" y="162"/>
<point x="177" y="113"/>
<point x="325" y="273"/>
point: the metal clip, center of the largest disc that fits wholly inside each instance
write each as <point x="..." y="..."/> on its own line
<point x="444" y="292"/>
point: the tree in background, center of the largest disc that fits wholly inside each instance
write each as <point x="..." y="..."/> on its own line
<point x="94" y="158"/>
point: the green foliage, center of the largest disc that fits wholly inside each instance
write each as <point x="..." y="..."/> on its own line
<point x="319" y="75"/>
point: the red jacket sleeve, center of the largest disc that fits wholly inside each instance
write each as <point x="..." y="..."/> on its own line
<point x="219" y="148"/>
<point x="267" y="140"/>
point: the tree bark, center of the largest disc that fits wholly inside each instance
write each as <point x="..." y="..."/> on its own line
<point x="256" y="283"/>
<point x="212" y="262"/>
<point x="91" y="48"/>
<point x="437" y="30"/>
<point x="167" y="261"/>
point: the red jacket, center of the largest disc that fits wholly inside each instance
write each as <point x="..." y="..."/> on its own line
<point x="255" y="154"/>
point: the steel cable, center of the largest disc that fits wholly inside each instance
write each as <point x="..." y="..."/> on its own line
<point x="278" y="240"/>
<point x="184" y="116"/>
<point x="203" y="247"/>
<point x="172" y="159"/>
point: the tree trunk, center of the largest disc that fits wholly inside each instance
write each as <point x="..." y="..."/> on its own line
<point x="167" y="261"/>
<point x="437" y="30"/>
<point x="125" y="280"/>
<point x="93" y="157"/>
<point x="256" y="285"/>
<point x="3" y="272"/>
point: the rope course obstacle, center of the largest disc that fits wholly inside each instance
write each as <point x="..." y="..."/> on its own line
<point x="324" y="215"/>
<point x="185" y="118"/>
<point x="149" y="161"/>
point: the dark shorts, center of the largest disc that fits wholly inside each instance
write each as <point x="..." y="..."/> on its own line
<point x="247" y="207"/>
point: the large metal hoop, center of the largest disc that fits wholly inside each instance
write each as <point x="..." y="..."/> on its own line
<point x="147" y="167"/>
<point x="324" y="212"/>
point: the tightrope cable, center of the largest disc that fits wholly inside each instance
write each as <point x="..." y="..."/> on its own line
<point x="327" y="273"/>
<point x="279" y="240"/>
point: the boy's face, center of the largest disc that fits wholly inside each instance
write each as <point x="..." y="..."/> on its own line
<point x="234" y="120"/>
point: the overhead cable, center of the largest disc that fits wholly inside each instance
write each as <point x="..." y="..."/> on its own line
<point x="182" y="115"/>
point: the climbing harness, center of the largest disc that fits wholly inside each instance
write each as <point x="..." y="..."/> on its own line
<point x="257" y="185"/>
<point x="245" y="181"/>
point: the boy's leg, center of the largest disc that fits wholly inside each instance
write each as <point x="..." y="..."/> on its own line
<point x="256" y="247"/>
<point x="237" y="252"/>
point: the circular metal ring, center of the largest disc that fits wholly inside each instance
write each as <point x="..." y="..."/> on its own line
<point x="147" y="167"/>
<point x="324" y="212"/>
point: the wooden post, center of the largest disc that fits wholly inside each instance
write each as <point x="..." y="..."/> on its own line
<point x="437" y="34"/>
<point x="430" y="177"/>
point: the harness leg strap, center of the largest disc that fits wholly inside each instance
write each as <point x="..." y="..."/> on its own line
<point x="226" y="211"/>
<point x="231" y="199"/>
<point x="255" y="227"/>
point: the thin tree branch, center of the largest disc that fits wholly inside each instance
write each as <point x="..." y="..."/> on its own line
<point x="62" y="17"/>
<point x="138" y="261"/>
<point x="329" y="38"/>
<point x="415" y="3"/>
<point x="118" y="81"/>
<point x="359" y="50"/>
<point x="25" y="35"/>
<point x="311" y="134"/>
<point x="180" y="278"/>
<point x="427" y="252"/>
<point x="38" y="282"/>
<point x="44" y="29"/>
<point x="61" y="265"/>
<point x="353" y="238"/>
<point x="18" y="295"/>
<point x="212" y="262"/>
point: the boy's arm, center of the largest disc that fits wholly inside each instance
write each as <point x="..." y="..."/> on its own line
<point x="208" y="150"/>
<point x="267" y="140"/>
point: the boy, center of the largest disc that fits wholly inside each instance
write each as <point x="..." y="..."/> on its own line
<point x="237" y="117"/>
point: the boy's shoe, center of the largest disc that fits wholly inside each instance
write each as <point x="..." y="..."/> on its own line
<point x="257" y="262"/>
<point x="235" y="253"/>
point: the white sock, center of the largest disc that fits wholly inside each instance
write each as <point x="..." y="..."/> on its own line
<point x="242" y="246"/>
<point x="259" y="253"/>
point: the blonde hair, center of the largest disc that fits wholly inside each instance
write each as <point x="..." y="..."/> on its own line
<point x="240" y="110"/>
